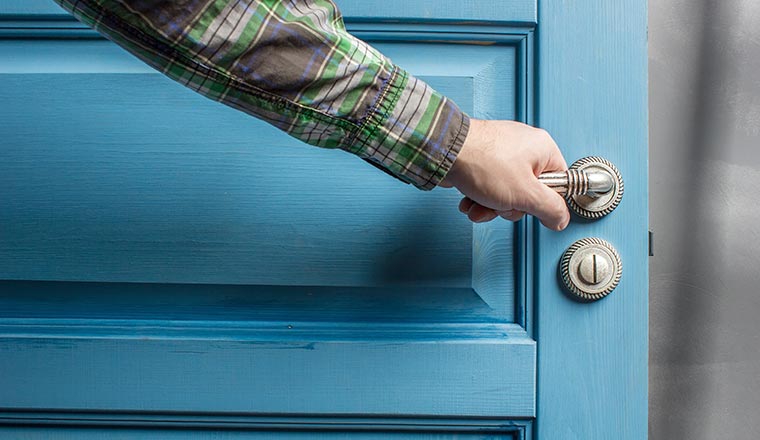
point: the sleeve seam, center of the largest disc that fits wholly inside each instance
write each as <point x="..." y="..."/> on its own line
<point x="387" y="97"/>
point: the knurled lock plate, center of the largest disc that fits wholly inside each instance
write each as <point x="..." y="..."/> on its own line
<point x="578" y="268"/>
<point x="596" y="207"/>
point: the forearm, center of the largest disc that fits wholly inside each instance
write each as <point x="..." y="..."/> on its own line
<point x="294" y="65"/>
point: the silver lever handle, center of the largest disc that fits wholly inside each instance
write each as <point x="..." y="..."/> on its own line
<point x="579" y="182"/>
<point x="593" y="186"/>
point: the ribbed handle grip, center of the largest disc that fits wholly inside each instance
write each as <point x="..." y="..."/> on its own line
<point x="575" y="182"/>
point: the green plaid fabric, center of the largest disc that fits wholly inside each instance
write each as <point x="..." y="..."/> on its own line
<point x="293" y="64"/>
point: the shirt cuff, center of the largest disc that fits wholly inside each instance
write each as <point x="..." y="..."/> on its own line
<point x="412" y="131"/>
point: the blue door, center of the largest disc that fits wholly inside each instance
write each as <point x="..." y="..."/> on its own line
<point x="172" y="268"/>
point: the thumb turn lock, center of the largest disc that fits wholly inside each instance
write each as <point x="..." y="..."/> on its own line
<point x="592" y="186"/>
<point x="590" y="269"/>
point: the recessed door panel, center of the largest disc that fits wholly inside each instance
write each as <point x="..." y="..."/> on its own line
<point x="120" y="175"/>
<point x="183" y="246"/>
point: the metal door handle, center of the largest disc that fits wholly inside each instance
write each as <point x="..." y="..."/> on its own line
<point x="592" y="186"/>
<point x="579" y="182"/>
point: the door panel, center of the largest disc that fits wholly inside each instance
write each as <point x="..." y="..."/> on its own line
<point x="133" y="433"/>
<point x="188" y="248"/>
<point x="185" y="191"/>
<point x="165" y="366"/>
<point x="169" y="262"/>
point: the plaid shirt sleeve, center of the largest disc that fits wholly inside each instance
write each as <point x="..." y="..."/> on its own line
<point x="293" y="64"/>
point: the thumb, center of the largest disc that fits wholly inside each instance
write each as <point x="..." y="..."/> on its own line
<point x="548" y="206"/>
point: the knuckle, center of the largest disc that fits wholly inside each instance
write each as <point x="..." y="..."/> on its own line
<point x="560" y="210"/>
<point x="559" y="204"/>
<point x="543" y="134"/>
<point x="546" y="140"/>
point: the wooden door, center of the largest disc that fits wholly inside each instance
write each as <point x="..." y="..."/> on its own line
<point x="174" y="268"/>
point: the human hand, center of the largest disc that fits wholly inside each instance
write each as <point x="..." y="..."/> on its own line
<point x="497" y="170"/>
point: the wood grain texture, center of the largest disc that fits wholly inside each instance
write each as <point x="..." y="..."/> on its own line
<point x="271" y="287"/>
<point x="136" y="433"/>
<point x="592" y="367"/>
<point x="493" y="269"/>
<point x="305" y="298"/>
<point x="238" y="304"/>
<point x="51" y="367"/>
<point x="137" y="425"/>
<point x="188" y="191"/>
<point x="35" y="8"/>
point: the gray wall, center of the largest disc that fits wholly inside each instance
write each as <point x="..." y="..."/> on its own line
<point x="705" y="178"/>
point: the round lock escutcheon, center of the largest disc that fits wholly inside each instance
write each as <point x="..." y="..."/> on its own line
<point x="590" y="269"/>
<point x="592" y="186"/>
<point x="595" y="206"/>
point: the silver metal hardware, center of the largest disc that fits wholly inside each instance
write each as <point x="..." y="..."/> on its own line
<point x="592" y="186"/>
<point x="590" y="269"/>
<point x="577" y="182"/>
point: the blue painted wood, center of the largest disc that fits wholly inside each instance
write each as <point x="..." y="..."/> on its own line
<point x="156" y="199"/>
<point x="333" y="287"/>
<point x="236" y="279"/>
<point x="64" y="425"/>
<point x="592" y="370"/>
<point x="132" y="434"/>
<point x="520" y="429"/>
<point x="256" y="303"/>
<point x="366" y="369"/>
<point x="30" y="8"/>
